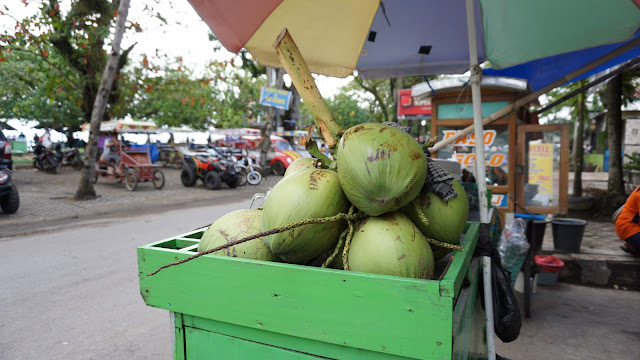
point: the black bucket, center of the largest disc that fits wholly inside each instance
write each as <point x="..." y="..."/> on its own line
<point x="567" y="234"/>
<point x="535" y="233"/>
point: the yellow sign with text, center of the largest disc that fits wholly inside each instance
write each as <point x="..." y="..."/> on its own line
<point x="541" y="167"/>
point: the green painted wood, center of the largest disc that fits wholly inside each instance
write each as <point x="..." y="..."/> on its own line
<point x="452" y="280"/>
<point x="300" y="344"/>
<point x="465" y="111"/>
<point x="383" y="314"/>
<point x="207" y="345"/>
<point x="465" y="319"/>
<point x="179" y="350"/>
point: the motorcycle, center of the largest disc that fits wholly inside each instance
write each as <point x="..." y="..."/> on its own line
<point x="69" y="158"/>
<point x="251" y="173"/>
<point x="44" y="159"/>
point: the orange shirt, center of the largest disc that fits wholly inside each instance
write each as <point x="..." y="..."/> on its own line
<point x="628" y="222"/>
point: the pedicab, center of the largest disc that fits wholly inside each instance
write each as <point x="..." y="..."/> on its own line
<point x="136" y="167"/>
<point x="136" y="163"/>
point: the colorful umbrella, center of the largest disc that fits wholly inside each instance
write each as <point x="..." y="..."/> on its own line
<point x="417" y="37"/>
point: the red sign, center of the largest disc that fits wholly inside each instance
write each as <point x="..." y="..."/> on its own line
<point x="409" y="106"/>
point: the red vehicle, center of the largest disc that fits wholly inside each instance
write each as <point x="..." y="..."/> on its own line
<point x="136" y="167"/>
<point x="280" y="157"/>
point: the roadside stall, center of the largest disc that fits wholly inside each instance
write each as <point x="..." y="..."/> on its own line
<point x="527" y="164"/>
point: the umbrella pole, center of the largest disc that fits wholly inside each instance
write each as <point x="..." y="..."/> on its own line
<point x="476" y="79"/>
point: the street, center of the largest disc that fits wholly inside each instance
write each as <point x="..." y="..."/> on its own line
<point x="73" y="293"/>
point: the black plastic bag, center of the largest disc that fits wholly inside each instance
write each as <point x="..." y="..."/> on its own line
<point x="506" y="312"/>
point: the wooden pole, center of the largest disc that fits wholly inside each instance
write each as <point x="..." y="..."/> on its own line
<point x="297" y="68"/>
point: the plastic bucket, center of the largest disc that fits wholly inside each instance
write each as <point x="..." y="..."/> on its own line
<point x="567" y="234"/>
<point x="550" y="266"/>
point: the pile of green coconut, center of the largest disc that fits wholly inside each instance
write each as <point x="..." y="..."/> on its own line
<point x="365" y="211"/>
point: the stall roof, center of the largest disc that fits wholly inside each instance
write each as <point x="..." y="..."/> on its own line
<point x="428" y="88"/>
<point x="125" y="126"/>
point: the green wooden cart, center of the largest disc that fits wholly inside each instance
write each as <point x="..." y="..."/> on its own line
<point x="231" y="308"/>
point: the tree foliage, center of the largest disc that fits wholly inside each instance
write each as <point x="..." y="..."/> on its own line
<point x="69" y="37"/>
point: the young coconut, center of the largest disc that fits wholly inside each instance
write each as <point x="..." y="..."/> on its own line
<point x="381" y="168"/>
<point x="306" y="194"/>
<point x="391" y="245"/>
<point x="301" y="164"/>
<point x="446" y="219"/>
<point x="235" y="226"/>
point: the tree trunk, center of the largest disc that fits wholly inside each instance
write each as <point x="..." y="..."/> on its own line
<point x="85" y="188"/>
<point x="615" y="186"/>
<point x="396" y="84"/>
<point x="267" y="130"/>
<point x="578" y="151"/>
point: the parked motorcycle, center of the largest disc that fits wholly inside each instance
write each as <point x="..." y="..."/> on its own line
<point x="44" y="159"/>
<point x="69" y="158"/>
<point x="251" y="172"/>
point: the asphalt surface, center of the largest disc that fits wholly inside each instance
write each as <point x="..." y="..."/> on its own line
<point x="68" y="272"/>
<point x="46" y="200"/>
<point x="73" y="293"/>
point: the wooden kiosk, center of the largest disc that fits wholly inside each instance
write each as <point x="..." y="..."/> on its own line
<point x="527" y="164"/>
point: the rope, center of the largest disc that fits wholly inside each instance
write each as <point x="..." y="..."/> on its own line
<point x="277" y="230"/>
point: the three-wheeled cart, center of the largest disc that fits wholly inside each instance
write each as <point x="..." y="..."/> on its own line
<point x="232" y="308"/>
<point x="136" y="167"/>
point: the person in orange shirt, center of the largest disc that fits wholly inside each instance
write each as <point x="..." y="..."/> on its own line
<point x="628" y="223"/>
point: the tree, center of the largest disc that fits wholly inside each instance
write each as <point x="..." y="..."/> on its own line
<point x="345" y="109"/>
<point x="71" y="40"/>
<point x="620" y="91"/>
<point x="85" y="188"/>
<point x="33" y="89"/>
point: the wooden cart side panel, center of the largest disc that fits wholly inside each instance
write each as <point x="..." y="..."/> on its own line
<point x="179" y="343"/>
<point x="337" y="307"/>
<point x="299" y="344"/>
<point x="452" y="280"/>
<point x="207" y="345"/>
<point x="466" y="323"/>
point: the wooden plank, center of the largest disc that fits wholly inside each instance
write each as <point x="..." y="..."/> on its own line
<point x="347" y="308"/>
<point x="452" y="280"/>
<point x="203" y="345"/>
<point x="463" y="313"/>
<point x="327" y="350"/>
<point x="179" y="350"/>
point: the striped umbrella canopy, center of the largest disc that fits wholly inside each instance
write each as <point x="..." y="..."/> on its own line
<point x="417" y="37"/>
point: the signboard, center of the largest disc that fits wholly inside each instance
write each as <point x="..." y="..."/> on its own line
<point x="409" y="106"/>
<point x="468" y="159"/>
<point x="541" y="169"/>
<point x="470" y="139"/>
<point x="279" y="99"/>
<point x="499" y="200"/>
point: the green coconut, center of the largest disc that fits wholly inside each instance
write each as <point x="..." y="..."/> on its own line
<point x="391" y="245"/>
<point x="301" y="164"/>
<point x="306" y="194"/>
<point x="234" y="226"/>
<point x="381" y="168"/>
<point x="446" y="218"/>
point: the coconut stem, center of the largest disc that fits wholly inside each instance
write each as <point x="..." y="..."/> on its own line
<point x="444" y="244"/>
<point x="421" y="215"/>
<point x="340" y="242"/>
<point x="343" y="236"/>
<point x="341" y="216"/>
<point x="292" y="61"/>
<point x="347" y="247"/>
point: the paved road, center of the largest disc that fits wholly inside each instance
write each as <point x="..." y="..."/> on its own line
<point x="73" y="293"/>
<point x="47" y="200"/>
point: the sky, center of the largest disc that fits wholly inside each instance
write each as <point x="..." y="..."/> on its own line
<point x="185" y="35"/>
